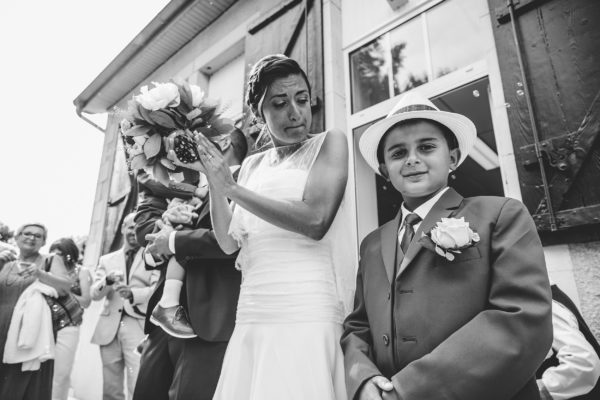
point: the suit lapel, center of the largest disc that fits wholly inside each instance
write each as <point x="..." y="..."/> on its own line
<point x="389" y="241"/>
<point x="441" y="209"/>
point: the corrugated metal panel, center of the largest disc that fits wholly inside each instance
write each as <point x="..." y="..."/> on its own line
<point x="178" y="23"/>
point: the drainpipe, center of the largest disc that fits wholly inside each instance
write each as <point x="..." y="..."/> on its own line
<point x="536" y="138"/>
<point x="89" y="121"/>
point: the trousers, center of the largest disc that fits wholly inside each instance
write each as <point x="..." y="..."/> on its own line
<point x="119" y="357"/>
<point x="66" y="345"/>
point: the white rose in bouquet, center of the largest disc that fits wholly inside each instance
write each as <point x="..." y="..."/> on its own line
<point x="197" y="95"/>
<point x="161" y="96"/>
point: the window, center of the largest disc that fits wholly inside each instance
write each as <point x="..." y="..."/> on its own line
<point x="370" y="75"/>
<point x="454" y="36"/>
<point x="434" y="43"/>
<point x="409" y="61"/>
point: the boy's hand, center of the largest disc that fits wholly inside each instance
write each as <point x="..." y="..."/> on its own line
<point x="373" y="388"/>
<point x="179" y="215"/>
<point x="158" y="243"/>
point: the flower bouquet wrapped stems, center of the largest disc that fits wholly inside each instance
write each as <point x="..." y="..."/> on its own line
<point x="170" y="110"/>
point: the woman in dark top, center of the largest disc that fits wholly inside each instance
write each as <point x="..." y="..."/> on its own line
<point x="17" y="272"/>
<point x="67" y="337"/>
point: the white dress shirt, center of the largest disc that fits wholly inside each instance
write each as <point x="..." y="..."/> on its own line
<point x="579" y="366"/>
<point x="421" y="211"/>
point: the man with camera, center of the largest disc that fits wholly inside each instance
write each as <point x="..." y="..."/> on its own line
<point x="125" y="284"/>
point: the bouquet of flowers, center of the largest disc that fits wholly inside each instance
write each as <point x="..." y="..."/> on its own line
<point x="169" y="110"/>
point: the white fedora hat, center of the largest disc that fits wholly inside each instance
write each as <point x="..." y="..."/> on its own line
<point x="414" y="105"/>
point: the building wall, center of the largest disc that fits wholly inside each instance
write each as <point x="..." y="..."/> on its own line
<point x="586" y="268"/>
<point x="93" y="249"/>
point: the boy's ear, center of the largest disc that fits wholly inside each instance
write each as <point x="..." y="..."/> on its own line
<point x="384" y="171"/>
<point x="454" y="157"/>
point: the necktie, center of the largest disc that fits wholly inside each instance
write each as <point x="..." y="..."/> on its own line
<point x="409" y="230"/>
<point x="129" y="256"/>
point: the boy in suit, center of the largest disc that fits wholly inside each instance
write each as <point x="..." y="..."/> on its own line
<point x="452" y="296"/>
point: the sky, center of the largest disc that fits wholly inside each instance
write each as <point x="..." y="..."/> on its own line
<point x="49" y="157"/>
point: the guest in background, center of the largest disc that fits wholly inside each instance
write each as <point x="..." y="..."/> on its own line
<point x="67" y="337"/>
<point x="122" y="280"/>
<point x="81" y="242"/>
<point x="6" y="236"/>
<point x="572" y="367"/>
<point x="16" y="275"/>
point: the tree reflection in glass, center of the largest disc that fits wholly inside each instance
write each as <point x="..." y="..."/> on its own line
<point x="409" y="63"/>
<point x="370" y="77"/>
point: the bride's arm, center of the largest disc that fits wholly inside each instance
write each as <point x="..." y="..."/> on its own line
<point x="220" y="214"/>
<point x="312" y="216"/>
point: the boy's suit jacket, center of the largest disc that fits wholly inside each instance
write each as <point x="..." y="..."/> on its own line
<point x="470" y="329"/>
<point x="212" y="284"/>
<point x="141" y="282"/>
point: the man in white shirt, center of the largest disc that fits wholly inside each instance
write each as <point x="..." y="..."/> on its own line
<point x="572" y="367"/>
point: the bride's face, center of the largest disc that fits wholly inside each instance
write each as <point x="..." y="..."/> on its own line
<point x="286" y="110"/>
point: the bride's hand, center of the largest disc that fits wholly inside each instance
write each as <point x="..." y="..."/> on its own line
<point x="170" y="145"/>
<point x="215" y="166"/>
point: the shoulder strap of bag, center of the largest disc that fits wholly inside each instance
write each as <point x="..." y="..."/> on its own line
<point x="48" y="263"/>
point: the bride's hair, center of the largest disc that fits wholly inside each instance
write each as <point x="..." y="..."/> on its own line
<point x="263" y="73"/>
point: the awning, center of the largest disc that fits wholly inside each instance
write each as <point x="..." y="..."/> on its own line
<point x="178" y="23"/>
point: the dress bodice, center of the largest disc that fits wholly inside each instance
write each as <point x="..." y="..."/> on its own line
<point x="286" y="276"/>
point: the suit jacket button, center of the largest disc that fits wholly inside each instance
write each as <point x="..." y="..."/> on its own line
<point x="389" y="295"/>
<point x="386" y="340"/>
<point x="120" y="310"/>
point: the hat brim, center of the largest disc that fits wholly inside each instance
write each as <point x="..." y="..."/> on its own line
<point x="461" y="126"/>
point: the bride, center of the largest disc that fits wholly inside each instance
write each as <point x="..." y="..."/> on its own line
<point x="285" y="344"/>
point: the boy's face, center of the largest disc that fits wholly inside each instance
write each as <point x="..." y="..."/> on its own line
<point x="417" y="160"/>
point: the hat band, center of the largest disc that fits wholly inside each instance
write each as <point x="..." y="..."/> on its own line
<point x="415" y="107"/>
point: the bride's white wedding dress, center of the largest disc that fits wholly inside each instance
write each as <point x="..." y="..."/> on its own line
<point x="285" y="344"/>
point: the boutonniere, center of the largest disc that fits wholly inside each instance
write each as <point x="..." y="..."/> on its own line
<point x="449" y="237"/>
